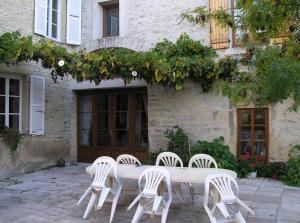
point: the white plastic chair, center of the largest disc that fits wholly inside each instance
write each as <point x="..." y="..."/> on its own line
<point x="172" y="160"/>
<point x="101" y="168"/>
<point x="128" y="185"/>
<point x="200" y="161"/>
<point x="149" y="200"/>
<point x="127" y="159"/>
<point x="226" y="205"/>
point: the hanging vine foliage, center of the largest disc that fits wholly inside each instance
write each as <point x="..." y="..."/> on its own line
<point x="168" y="64"/>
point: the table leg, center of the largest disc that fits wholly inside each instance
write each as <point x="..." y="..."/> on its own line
<point x="111" y="180"/>
<point x="161" y="188"/>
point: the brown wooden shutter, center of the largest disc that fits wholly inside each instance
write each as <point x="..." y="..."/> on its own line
<point x="219" y="36"/>
<point x="279" y="39"/>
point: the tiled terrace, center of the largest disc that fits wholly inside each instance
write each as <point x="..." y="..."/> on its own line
<point x="50" y="196"/>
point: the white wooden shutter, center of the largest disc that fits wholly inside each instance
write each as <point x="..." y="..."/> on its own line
<point x="74" y="22"/>
<point x="40" y="17"/>
<point x="37" y="105"/>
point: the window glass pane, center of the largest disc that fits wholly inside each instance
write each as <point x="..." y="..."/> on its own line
<point x="103" y="138"/>
<point x="2" y="122"/>
<point x="2" y="85"/>
<point x="85" y="138"/>
<point x="85" y="120"/>
<point x="246" y="134"/>
<point x="259" y="148"/>
<point x="85" y="103"/>
<point x="102" y="120"/>
<point x="102" y="102"/>
<point x="14" y="104"/>
<point x="14" y="121"/>
<point x="141" y="121"/>
<point x="14" y="87"/>
<point x="112" y="21"/>
<point x="54" y="31"/>
<point x="122" y="102"/>
<point x="259" y="117"/>
<point x="122" y="138"/>
<point x="246" y="117"/>
<point x="54" y="17"/>
<point x="54" y="4"/>
<point x="2" y="104"/>
<point x="245" y="148"/>
<point x="121" y="120"/>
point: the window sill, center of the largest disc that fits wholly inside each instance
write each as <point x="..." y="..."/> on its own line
<point x="50" y="38"/>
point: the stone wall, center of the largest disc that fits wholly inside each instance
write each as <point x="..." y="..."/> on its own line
<point x="205" y="116"/>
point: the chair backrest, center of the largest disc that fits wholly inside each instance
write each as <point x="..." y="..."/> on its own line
<point x="223" y="183"/>
<point x="102" y="167"/>
<point x="150" y="180"/>
<point x="168" y="159"/>
<point x="127" y="159"/>
<point x="202" y="161"/>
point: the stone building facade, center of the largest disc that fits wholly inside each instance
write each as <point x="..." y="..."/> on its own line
<point x="141" y="24"/>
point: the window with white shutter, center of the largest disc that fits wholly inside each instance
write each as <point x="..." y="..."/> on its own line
<point x="10" y="102"/>
<point x="41" y="13"/>
<point x="47" y="18"/>
<point x="74" y="22"/>
<point x="37" y="105"/>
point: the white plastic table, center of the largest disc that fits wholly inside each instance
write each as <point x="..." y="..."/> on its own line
<point x="177" y="174"/>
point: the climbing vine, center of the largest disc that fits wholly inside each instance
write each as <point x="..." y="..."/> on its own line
<point x="273" y="74"/>
<point x="168" y="64"/>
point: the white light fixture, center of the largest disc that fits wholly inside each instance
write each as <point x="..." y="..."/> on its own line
<point x="61" y="63"/>
<point x="134" y="73"/>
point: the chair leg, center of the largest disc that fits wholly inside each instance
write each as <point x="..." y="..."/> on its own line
<point x="114" y="204"/>
<point x="192" y="192"/>
<point x="178" y="191"/>
<point x="84" y="195"/>
<point x="164" y="215"/>
<point x="90" y="205"/>
<point x="239" y="217"/>
<point x="138" y="214"/>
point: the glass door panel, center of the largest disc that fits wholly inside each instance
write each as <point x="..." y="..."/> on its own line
<point x="141" y="121"/>
<point x="85" y="120"/>
<point x="121" y="121"/>
<point x="103" y="130"/>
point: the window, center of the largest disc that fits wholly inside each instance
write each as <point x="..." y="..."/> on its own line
<point x="47" y="18"/>
<point x="111" y="20"/>
<point x="10" y="102"/>
<point x="53" y="20"/>
<point x="253" y="130"/>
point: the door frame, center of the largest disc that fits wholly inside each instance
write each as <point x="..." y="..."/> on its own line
<point x="90" y="153"/>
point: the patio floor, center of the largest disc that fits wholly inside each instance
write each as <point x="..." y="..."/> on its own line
<point x="50" y="196"/>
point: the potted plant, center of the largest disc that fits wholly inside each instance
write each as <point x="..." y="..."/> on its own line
<point x="252" y="167"/>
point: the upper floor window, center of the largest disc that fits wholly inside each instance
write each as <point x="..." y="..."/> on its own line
<point x="10" y="103"/>
<point x="48" y="20"/>
<point x="53" y="19"/>
<point x="111" y="20"/>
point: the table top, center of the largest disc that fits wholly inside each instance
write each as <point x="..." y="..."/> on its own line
<point x="177" y="174"/>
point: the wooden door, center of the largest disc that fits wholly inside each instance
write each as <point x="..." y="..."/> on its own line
<point x="112" y="122"/>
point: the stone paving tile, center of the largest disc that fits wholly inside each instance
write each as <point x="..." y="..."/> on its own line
<point x="286" y="215"/>
<point x="50" y="196"/>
